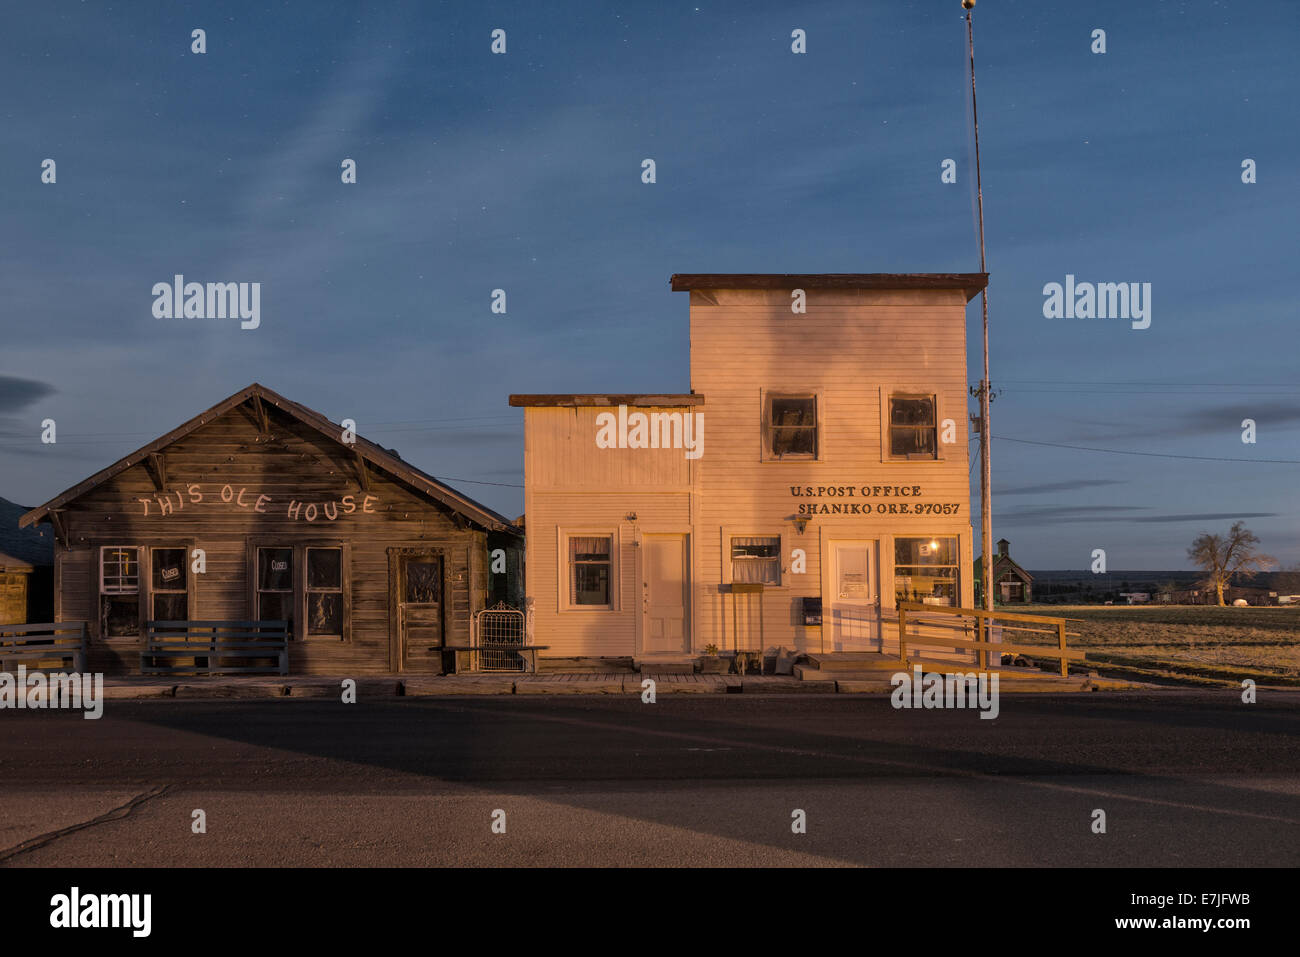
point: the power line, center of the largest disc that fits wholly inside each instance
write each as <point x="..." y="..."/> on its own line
<point x="1157" y="455"/>
<point x="443" y="478"/>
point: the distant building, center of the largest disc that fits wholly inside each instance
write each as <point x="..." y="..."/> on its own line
<point x="1014" y="585"/>
<point x="1136" y="597"/>
<point x="26" y="570"/>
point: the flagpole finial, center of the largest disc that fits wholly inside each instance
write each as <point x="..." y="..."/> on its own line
<point x="967" y="4"/>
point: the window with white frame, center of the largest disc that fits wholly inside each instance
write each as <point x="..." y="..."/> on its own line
<point x="119" y="591"/>
<point x="591" y="565"/>
<point x="756" y="559"/>
<point x="926" y="570"/>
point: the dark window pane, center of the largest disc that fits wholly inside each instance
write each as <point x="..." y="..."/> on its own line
<point x="793" y="423"/>
<point x="911" y="411"/>
<point x="275" y="606"/>
<point x="755" y="547"/>
<point x="423" y="585"/>
<point x="169" y="569"/>
<point x="325" y="613"/>
<point x="591" y="584"/>
<point x="170" y="606"/>
<point x="908" y="441"/>
<point x="120" y="616"/>
<point x="275" y="569"/>
<point x="324" y="568"/>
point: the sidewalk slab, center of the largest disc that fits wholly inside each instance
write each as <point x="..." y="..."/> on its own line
<point x="124" y="691"/>
<point x="863" y="687"/>
<point x="781" y="684"/>
<point x="528" y="684"/>
<point x="452" y="685"/>
<point x="223" y="689"/>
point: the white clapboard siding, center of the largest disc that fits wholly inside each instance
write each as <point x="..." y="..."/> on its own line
<point x="851" y="348"/>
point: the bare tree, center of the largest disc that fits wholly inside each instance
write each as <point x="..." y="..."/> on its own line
<point x="1222" y="557"/>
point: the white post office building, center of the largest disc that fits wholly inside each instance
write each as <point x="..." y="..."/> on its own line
<point x="816" y="474"/>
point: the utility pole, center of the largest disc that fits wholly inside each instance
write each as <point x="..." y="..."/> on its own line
<point x="986" y="471"/>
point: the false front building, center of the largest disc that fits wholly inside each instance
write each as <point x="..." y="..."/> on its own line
<point x="815" y="475"/>
<point x="261" y="509"/>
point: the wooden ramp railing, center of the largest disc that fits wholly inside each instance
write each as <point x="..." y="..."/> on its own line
<point x="215" y="647"/>
<point x="981" y="622"/>
<point x="44" y="646"/>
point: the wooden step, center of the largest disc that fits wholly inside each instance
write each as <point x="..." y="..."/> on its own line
<point x="853" y="661"/>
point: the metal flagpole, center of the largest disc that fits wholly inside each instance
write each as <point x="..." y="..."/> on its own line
<point x="986" y="472"/>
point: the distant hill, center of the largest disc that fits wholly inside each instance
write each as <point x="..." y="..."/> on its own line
<point x="34" y="545"/>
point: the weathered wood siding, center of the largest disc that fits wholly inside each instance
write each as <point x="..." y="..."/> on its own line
<point x="291" y="464"/>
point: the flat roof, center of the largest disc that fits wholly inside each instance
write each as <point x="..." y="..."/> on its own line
<point x="970" y="282"/>
<point x="644" y="401"/>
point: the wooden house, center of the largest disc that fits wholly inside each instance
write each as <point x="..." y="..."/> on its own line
<point x="815" y="474"/>
<point x="1012" y="584"/>
<point x="258" y="509"/>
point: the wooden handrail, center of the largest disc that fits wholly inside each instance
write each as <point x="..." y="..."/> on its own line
<point x="984" y="647"/>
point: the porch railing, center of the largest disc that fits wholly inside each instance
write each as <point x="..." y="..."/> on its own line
<point x="981" y="623"/>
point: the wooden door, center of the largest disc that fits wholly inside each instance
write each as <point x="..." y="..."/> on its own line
<point x="665" y="564"/>
<point x="855" y="605"/>
<point x="419" y="612"/>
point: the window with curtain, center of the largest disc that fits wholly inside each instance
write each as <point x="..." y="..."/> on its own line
<point x="756" y="559"/>
<point x="912" y="428"/>
<point x="926" y="570"/>
<point x="590" y="570"/>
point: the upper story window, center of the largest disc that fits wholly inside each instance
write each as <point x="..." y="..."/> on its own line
<point x="790" y="426"/>
<point x="913" y="432"/>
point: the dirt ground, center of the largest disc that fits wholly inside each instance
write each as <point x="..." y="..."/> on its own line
<point x="1193" y="640"/>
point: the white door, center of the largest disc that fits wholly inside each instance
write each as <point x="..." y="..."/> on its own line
<point x="665" y="564"/>
<point x="854" y="597"/>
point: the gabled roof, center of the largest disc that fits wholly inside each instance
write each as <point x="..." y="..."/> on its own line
<point x="10" y="564"/>
<point x="26" y="546"/>
<point x="969" y="282"/>
<point x="1003" y="563"/>
<point x="384" y="460"/>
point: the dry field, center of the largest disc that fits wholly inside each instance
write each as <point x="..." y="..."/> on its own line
<point x="1206" y="644"/>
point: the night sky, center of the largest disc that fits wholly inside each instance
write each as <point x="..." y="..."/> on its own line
<point x="523" y="172"/>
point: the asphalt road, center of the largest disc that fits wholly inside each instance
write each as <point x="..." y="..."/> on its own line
<point x="1184" y="779"/>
